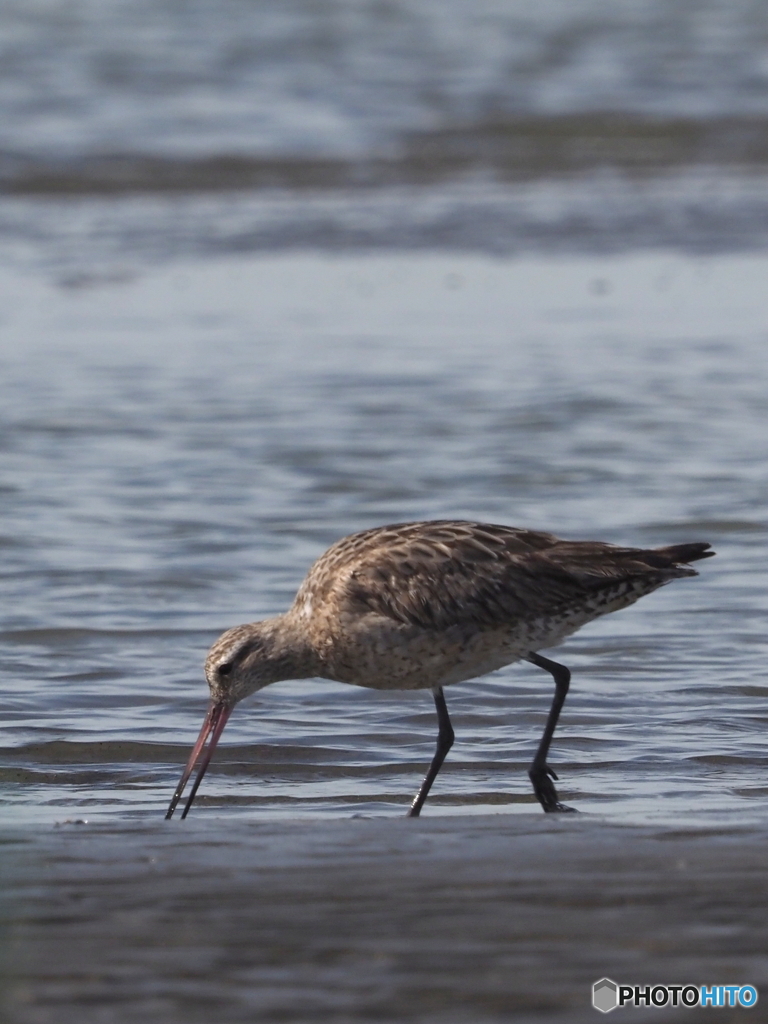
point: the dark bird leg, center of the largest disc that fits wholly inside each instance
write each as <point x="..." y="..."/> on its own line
<point x="444" y="744"/>
<point x="540" y="773"/>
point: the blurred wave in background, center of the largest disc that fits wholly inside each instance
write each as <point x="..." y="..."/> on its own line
<point x="494" y="125"/>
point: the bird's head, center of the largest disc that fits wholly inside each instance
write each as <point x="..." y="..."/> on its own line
<point x="243" y="660"/>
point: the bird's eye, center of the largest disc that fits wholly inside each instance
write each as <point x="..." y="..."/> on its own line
<point x="224" y="670"/>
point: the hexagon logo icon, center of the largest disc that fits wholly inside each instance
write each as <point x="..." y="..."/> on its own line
<point x="605" y="995"/>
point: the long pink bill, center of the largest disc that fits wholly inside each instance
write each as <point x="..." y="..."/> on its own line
<point x="213" y="727"/>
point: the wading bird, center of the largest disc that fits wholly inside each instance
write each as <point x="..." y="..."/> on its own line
<point x="422" y="605"/>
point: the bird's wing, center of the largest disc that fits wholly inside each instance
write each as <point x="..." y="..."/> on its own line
<point x="437" y="574"/>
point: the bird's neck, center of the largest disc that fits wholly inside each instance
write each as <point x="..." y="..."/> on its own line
<point x="290" y="654"/>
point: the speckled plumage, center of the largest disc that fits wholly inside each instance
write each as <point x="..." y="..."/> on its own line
<point x="427" y="604"/>
<point x="419" y="605"/>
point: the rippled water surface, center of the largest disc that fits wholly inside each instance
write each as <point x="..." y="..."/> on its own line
<point x="274" y="272"/>
<point x="179" y="445"/>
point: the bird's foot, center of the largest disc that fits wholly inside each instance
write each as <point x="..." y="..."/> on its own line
<point x="541" y="778"/>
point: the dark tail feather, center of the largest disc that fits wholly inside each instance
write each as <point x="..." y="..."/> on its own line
<point x="685" y="553"/>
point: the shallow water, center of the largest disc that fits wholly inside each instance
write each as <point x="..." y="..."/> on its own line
<point x="179" y="445"/>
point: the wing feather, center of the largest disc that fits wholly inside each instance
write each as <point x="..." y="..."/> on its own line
<point x="437" y="574"/>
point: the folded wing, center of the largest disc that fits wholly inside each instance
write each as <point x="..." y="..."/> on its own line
<point x="436" y="574"/>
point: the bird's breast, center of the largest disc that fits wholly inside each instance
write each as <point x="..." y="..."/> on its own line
<point x="387" y="655"/>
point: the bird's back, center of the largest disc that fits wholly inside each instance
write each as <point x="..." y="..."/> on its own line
<point x="470" y="594"/>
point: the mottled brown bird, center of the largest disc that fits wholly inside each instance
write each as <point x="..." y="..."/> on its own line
<point x="422" y="605"/>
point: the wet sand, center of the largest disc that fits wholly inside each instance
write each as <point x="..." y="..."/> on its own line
<point x="474" y="919"/>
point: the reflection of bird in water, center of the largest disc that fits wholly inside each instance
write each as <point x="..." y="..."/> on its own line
<point x="422" y="605"/>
